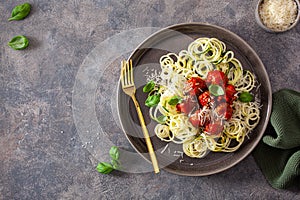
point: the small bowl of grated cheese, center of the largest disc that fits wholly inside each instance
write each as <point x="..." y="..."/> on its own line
<point x="277" y="15"/>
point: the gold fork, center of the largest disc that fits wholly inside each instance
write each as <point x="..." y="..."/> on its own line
<point x="129" y="89"/>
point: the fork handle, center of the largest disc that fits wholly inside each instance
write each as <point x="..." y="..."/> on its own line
<point x="146" y="135"/>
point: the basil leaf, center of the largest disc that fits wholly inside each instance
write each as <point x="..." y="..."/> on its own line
<point x="152" y="100"/>
<point x="149" y="86"/>
<point x="216" y="90"/>
<point x="104" y="168"/>
<point x="161" y="119"/>
<point x="114" y="153"/>
<point x="18" y="42"/>
<point x="115" y="164"/>
<point x="245" y="97"/>
<point x="174" y="100"/>
<point x="20" y="12"/>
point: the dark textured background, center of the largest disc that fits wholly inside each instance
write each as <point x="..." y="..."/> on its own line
<point x="41" y="154"/>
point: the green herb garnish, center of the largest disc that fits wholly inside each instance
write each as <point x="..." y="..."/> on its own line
<point x="18" y="42"/>
<point x="115" y="164"/>
<point x="149" y="86"/>
<point x="245" y="97"/>
<point x="174" y="100"/>
<point x="161" y="119"/>
<point x="105" y="167"/>
<point x="114" y="153"/>
<point x="152" y="100"/>
<point x="216" y="90"/>
<point x="20" y="12"/>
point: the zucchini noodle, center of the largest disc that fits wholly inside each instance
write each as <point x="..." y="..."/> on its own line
<point x="202" y="56"/>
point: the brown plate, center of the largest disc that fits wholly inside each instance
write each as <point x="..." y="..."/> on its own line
<point x="146" y="61"/>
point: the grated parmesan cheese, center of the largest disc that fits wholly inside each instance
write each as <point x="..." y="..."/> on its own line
<point x="278" y="15"/>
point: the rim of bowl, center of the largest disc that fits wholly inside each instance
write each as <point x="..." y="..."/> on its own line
<point x="262" y="25"/>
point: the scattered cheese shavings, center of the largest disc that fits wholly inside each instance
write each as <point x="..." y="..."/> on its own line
<point x="178" y="154"/>
<point x="165" y="148"/>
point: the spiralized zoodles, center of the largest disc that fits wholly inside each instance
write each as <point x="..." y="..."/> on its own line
<point x="215" y="116"/>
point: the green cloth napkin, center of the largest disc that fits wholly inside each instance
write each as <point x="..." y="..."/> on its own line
<point x="278" y="153"/>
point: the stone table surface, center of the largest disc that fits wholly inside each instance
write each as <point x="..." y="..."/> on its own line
<point x="43" y="153"/>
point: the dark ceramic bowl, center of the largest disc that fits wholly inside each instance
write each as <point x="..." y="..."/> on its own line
<point x="146" y="57"/>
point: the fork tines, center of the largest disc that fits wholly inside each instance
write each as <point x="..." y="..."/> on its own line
<point x="127" y="74"/>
